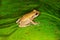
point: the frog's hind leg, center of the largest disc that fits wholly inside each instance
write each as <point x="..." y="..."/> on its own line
<point x="24" y="24"/>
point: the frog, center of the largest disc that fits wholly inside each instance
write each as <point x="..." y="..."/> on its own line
<point x="28" y="18"/>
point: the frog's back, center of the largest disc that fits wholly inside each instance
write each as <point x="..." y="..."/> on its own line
<point x="27" y="16"/>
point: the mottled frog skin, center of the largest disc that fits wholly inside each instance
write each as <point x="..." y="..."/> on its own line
<point x="27" y="18"/>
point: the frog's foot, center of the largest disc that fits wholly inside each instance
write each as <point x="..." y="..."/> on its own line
<point x="35" y="23"/>
<point x="23" y="25"/>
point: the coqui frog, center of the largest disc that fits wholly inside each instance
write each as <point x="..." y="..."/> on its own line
<point x="27" y="19"/>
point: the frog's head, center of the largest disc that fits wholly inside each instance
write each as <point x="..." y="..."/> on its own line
<point x="36" y="13"/>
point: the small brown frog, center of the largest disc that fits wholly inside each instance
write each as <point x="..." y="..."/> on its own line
<point x="27" y="19"/>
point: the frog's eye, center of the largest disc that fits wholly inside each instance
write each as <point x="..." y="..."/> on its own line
<point x="36" y="14"/>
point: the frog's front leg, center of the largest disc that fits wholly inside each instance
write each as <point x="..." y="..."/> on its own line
<point x="33" y="22"/>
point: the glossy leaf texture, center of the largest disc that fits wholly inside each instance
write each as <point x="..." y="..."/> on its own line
<point x="48" y="27"/>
